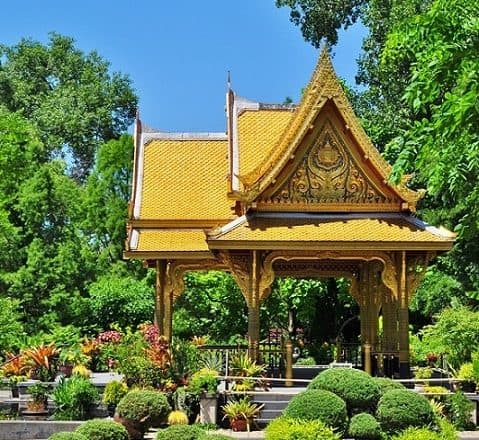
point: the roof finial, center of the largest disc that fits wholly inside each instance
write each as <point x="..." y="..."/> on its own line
<point x="228" y="80"/>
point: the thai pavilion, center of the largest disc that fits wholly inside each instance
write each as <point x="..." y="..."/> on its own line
<point x="286" y="191"/>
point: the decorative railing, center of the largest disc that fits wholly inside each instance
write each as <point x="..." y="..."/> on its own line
<point x="270" y="354"/>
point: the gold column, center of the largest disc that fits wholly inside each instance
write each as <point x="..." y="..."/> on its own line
<point x="366" y="315"/>
<point x="163" y="300"/>
<point x="253" y="301"/>
<point x="403" y="315"/>
<point x="390" y="322"/>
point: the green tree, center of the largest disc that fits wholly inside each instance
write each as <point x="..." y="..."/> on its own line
<point x="11" y="328"/>
<point x="456" y="333"/>
<point x="107" y="192"/>
<point x="441" y="144"/>
<point x="320" y="20"/>
<point x="73" y="99"/>
<point x="211" y="304"/>
<point x="117" y="300"/>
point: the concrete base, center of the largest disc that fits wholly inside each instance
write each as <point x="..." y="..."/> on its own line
<point x="208" y="409"/>
<point x="28" y="430"/>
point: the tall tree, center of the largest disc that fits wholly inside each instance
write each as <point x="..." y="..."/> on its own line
<point x="441" y="145"/>
<point x="107" y="192"/>
<point x="320" y="20"/>
<point x="72" y="98"/>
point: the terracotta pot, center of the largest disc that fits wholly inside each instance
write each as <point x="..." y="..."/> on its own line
<point x="239" y="425"/>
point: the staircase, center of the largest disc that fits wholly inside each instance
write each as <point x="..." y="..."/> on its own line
<point x="275" y="401"/>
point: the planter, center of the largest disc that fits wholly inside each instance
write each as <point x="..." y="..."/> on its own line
<point x="468" y="387"/>
<point x="134" y="428"/>
<point x="35" y="415"/>
<point x="14" y="390"/>
<point x="208" y="408"/>
<point x="239" y="425"/>
<point x="111" y="407"/>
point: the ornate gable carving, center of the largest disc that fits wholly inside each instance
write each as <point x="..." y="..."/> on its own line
<point x="327" y="173"/>
<point x="334" y="177"/>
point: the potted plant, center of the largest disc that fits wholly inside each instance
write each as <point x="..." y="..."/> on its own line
<point x="467" y="377"/>
<point x="423" y="373"/>
<point x="114" y="392"/>
<point x="38" y="401"/>
<point x="204" y="383"/>
<point x="42" y="361"/>
<point x="69" y="358"/>
<point x="14" y="369"/>
<point x="241" y="413"/>
<point x="243" y="367"/>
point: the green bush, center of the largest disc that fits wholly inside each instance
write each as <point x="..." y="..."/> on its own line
<point x="204" y="380"/>
<point x="364" y="427"/>
<point x="401" y="409"/>
<point x="386" y="384"/>
<point x="283" y="428"/>
<point x="417" y="434"/>
<point x="145" y="407"/>
<point x="180" y="432"/>
<point x="73" y="398"/>
<point x="141" y="372"/>
<point x="319" y="405"/>
<point x="458" y="409"/>
<point x="357" y="388"/>
<point x="67" y="436"/>
<point x="102" y="429"/>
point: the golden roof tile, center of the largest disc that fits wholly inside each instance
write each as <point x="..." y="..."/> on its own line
<point x="167" y="243"/>
<point x="258" y="133"/>
<point x="351" y="231"/>
<point x="184" y="179"/>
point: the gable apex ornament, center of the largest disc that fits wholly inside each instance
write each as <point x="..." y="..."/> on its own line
<point x="324" y="99"/>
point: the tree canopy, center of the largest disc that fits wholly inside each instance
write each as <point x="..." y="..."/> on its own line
<point x="72" y="97"/>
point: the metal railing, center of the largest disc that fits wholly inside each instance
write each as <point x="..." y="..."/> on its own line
<point x="270" y="354"/>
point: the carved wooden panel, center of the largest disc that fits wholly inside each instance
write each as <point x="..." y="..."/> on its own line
<point x="328" y="174"/>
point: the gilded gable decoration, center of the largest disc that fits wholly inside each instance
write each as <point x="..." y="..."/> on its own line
<point x="324" y="97"/>
<point x="328" y="174"/>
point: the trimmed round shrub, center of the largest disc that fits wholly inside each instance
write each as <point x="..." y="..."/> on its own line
<point x="364" y="427"/>
<point x="386" y="384"/>
<point x="319" y="405"/>
<point x="102" y="429"/>
<point x="417" y="434"/>
<point x="146" y="408"/>
<point x="401" y="409"/>
<point x="67" y="436"/>
<point x="283" y="428"/>
<point x="180" y="432"/>
<point x="357" y="388"/>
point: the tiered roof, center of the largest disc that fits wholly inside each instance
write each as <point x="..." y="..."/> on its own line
<point x="280" y="177"/>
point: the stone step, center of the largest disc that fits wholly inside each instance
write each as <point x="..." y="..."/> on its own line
<point x="278" y="405"/>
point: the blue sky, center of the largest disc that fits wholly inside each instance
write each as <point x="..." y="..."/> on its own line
<point x="177" y="53"/>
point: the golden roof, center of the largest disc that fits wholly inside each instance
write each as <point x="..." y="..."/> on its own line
<point x="326" y="232"/>
<point x="284" y="168"/>
<point x="167" y="243"/>
<point x="184" y="180"/>
<point x="258" y="133"/>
